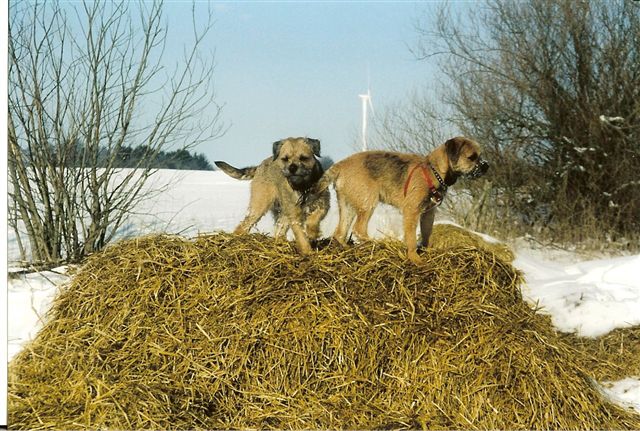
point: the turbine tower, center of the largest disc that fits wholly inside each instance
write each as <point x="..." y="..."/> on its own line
<point x="366" y="104"/>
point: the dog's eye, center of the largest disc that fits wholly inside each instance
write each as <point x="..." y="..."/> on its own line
<point x="304" y="158"/>
<point x="285" y="159"/>
<point x="473" y="157"/>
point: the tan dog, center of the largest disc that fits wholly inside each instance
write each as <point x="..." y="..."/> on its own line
<point x="278" y="184"/>
<point x="415" y="184"/>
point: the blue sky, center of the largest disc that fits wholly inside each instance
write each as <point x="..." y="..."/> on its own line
<point x="296" y="69"/>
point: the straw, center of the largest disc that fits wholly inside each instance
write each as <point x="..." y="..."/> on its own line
<point x="226" y="331"/>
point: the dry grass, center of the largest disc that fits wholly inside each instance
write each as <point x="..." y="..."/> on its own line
<point x="240" y="332"/>
<point x="495" y="211"/>
<point x="610" y="357"/>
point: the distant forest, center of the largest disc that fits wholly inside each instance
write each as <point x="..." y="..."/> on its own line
<point x="135" y="157"/>
<point x="179" y="159"/>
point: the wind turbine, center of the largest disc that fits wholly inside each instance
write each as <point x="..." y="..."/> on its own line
<point x="366" y="104"/>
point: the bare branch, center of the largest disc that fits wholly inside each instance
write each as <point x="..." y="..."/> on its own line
<point x="82" y="77"/>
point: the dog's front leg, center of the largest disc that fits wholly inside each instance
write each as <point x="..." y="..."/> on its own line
<point x="294" y="215"/>
<point x="410" y="218"/>
<point x="313" y="222"/>
<point x="301" y="238"/>
<point x="426" y="226"/>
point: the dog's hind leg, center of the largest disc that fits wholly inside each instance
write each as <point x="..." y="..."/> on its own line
<point x="360" y="228"/>
<point x="258" y="207"/>
<point x="346" y="216"/>
<point x="281" y="227"/>
<point x="255" y="214"/>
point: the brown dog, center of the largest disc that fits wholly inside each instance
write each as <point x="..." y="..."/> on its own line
<point x="415" y="184"/>
<point x="278" y="184"/>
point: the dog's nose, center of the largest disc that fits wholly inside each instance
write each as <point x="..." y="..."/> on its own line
<point x="293" y="168"/>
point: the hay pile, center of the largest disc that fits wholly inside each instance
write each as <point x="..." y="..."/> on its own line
<point x="240" y="332"/>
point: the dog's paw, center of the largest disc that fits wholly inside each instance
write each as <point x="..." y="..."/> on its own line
<point x="415" y="258"/>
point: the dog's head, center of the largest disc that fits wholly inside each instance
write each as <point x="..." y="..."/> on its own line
<point x="465" y="157"/>
<point x="296" y="158"/>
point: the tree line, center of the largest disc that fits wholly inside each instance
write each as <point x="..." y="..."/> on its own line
<point x="142" y="156"/>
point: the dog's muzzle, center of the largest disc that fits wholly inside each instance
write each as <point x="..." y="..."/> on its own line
<point x="296" y="175"/>
<point x="479" y="170"/>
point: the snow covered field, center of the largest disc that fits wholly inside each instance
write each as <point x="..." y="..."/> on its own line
<point x="590" y="298"/>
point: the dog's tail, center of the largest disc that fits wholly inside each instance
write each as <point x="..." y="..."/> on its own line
<point x="239" y="174"/>
<point x="328" y="178"/>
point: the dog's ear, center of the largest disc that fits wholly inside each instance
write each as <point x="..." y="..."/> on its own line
<point x="315" y="146"/>
<point x="453" y="147"/>
<point x="276" y="149"/>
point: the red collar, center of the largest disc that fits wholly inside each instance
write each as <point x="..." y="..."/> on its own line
<point x="435" y="195"/>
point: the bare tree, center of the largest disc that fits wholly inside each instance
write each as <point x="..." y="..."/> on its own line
<point x="86" y="80"/>
<point x="552" y="88"/>
<point x="417" y="125"/>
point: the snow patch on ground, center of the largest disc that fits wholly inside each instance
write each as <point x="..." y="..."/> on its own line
<point x="589" y="298"/>
<point x="30" y="297"/>
<point x="625" y="392"/>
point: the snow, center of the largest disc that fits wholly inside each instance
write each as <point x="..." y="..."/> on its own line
<point x="590" y="298"/>
<point x="625" y="392"/>
<point x="30" y="297"/>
